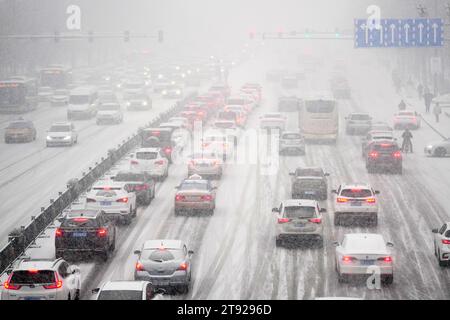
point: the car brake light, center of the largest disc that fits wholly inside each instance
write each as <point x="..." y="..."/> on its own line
<point x="134" y="162"/>
<point x="370" y="200"/>
<point x="385" y="259"/>
<point x="58" y="233"/>
<point x="102" y="232"/>
<point x="123" y="200"/>
<point x="33" y="271"/>
<point x="347" y="259"/>
<point x="315" y="220"/>
<point x="167" y="150"/>
<point x="159" y="162"/>
<point x="206" y="197"/>
<point x="156" y="133"/>
<point x="139" y="266"/>
<point x="356" y="190"/>
<point x="179" y="198"/>
<point x="397" y="154"/>
<point x="373" y="154"/>
<point x="9" y="286"/>
<point x="56" y="285"/>
<point x="183" y="266"/>
<point x="341" y="200"/>
<point x="81" y="219"/>
<point x="445" y="241"/>
<point x="283" y="220"/>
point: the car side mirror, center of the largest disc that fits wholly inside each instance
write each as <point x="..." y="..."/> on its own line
<point x="323" y="210"/>
<point x="75" y="269"/>
<point x="275" y="210"/>
<point x="389" y="244"/>
<point x="377" y="191"/>
<point x="336" y="243"/>
<point x="137" y="251"/>
<point x="96" y="290"/>
<point x="190" y="252"/>
<point x="435" y="230"/>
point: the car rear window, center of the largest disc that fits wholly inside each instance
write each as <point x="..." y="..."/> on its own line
<point x="311" y="183"/>
<point x="79" y="223"/>
<point x="360" y="117"/>
<point x="146" y="155"/>
<point x="33" y="277"/>
<point x="130" y="177"/>
<point x="106" y="193"/>
<point x="19" y="125"/>
<point x="292" y="136"/>
<point x="385" y="147"/>
<point x="299" y="212"/>
<point x="161" y="255"/>
<point x="120" y="295"/>
<point x="356" y="193"/>
<point x="320" y="106"/>
<point x="191" y="185"/>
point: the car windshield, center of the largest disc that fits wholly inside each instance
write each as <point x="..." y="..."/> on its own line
<point x="319" y="106"/>
<point x="299" y="212"/>
<point x="120" y="295"/>
<point x="308" y="172"/>
<point x="311" y="183"/>
<point x="60" y="129"/>
<point x="33" y="277"/>
<point x="146" y="155"/>
<point x="160" y="255"/>
<point x="385" y="147"/>
<point x="356" y="193"/>
<point x="193" y="185"/>
<point x="79" y="99"/>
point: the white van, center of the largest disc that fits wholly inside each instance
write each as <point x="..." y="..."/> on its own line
<point x="83" y="103"/>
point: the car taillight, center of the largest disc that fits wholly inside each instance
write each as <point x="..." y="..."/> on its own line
<point x="397" y="154"/>
<point x="385" y="259"/>
<point x="167" y="150"/>
<point x="179" y="198"/>
<point x="315" y="220"/>
<point x="341" y="200"/>
<point x="134" y="162"/>
<point x="139" y="266"/>
<point x="283" y="220"/>
<point x="183" y="266"/>
<point x="347" y="259"/>
<point x="206" y="197"/>
<point x="370" y="200"/>
<point x="141" y="187"/>
<point x="102" y="232"/>
<point x="59" y="233"/>
<point x="56" y="285"/>
<point x="90" y="200"/>
<point x="373" y="154"/>
<point x="9" y="286"/>
<point x="445" y="241"/>
<point x="159" y="162"/>
<point x="123" y="200"/>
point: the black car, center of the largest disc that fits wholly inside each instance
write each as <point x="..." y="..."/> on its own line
<point x="384" y="156"/>
<point x="309" y="183"/>
<point x="85" y="232"/>
<point x="164" y="140"/>
<point x="141" y="183"/>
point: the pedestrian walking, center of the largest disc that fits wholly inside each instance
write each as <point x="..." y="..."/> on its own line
<point x="427" y="97"/>
<point x="437" y="111"/>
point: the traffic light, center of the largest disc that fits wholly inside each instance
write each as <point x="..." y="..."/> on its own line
<point x="91" y="36"/>
<point x="126" y="36"/>
<point x="160" y="36"/>
<point x="56" y="38"/>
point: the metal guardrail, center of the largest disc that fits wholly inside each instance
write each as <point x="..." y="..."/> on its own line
<point x="20" y="239"/>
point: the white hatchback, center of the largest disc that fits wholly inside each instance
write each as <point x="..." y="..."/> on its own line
<point x="442" y="244"/>
<point x="362" y="254"/>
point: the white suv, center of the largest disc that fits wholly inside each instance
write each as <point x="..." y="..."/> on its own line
<point x="150" y="160"/>
<point x="43" y="280"/>
<point x="442" y="244"/>
<point x="360" y="254"/>
<point x="356" y="201"/>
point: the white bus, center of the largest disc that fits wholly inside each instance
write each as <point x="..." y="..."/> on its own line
<point x="319" y="118"/>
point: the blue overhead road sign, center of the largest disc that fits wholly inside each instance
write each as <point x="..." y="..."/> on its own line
<point x="399" y="33"/>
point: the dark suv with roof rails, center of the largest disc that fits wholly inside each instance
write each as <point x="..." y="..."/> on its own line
<point x="384" y="156"/>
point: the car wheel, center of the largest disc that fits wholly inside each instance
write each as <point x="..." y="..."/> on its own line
<point x="370" y="169"/>
<point x="341" y="278"/>
<point x="440" y="152"/>
<point x="211" y="212"/>
<point x="374" y="221"/>
<point x="148" y="199"/>
<point x="278" y="242"/>
<point x="127" y="219"/>
<point x="441" y="262"/>
<point x="337" y="219"/>
<point x="400" y="170"/>
<point x="184" y="289"/>
<point x="105" y="255"/>
<point x="113" y="244"/>
<point x="177" y="212"/>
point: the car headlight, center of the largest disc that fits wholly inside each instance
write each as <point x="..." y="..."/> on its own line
<point x="144" y="103"/>
<point x="164" y="92"/>
<point x="128" y="104"/>
<point x="160" y="76"/>
<point x="178" y="92"/>
<point x="429" y="147"/>
<point x="67" y="137"/>
<point x="49" y="138"/>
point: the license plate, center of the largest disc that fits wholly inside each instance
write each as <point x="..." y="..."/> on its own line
<point x="192" y="198"/>
<point x="300" y="225"/>
<point x="79" y="234"/>
<point x="367" y="262"/>
<point x="105" y="203"/>
<point x="310" y="193"/>
<point x="356" y="204"/>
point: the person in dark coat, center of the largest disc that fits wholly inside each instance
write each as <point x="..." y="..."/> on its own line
<point x="407" y="136"/>
<point x="427" y="97"/>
